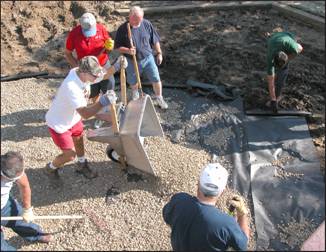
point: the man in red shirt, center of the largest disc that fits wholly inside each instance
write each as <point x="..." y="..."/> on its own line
<point x="88" y="39"/>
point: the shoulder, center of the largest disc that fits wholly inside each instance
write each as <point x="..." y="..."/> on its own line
<point x="100" y="27"/>
<point x="123" y="26"/>
<point x="181" y="196"/>
<point x="76" y="30"/>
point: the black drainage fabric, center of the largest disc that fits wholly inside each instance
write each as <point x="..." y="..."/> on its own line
<point x="286" y="183"/>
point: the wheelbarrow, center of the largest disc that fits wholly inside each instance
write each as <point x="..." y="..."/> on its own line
<point x="131" y="123"/>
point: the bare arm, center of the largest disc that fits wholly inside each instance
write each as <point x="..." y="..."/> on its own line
<point x="157" y="48"/>
<point x="70" y="58"/>
<point x="244" y="224"/>
<point x="271" y="86"/>
<point x="25" y="191"/>
<point x="89" y="111"/>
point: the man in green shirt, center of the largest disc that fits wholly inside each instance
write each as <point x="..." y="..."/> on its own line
<point x="281" y="48"/>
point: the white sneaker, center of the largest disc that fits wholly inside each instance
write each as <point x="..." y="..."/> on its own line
<point x="161" y="103"/>
<point x="135" y="95"/>
<point x="98" y="124"/>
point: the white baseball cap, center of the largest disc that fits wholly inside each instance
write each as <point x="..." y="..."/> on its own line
<point x="88" y="24"/>
<point x="213" y="179"/>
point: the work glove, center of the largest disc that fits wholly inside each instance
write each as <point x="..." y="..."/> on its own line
<point x="121" y="62"/>
<point x="159" y="59"/>
<point x="274" y="106"/>
<point x="109" y="44"/>
<point x="239" y="205"/>
<point x="28" y="214"/>
<point x="108" y="98"/>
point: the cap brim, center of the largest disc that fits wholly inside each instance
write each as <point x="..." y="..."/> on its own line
<point x="90" y="32"/>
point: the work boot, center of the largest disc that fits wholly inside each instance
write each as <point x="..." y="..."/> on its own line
<point x="135" y="95"/>
<point x="45" y="239"/>
<point x="159" y="101"/>
<point x="84" y="169"/>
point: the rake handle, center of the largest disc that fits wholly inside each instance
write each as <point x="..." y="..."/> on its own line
<point x="45" y="217"/>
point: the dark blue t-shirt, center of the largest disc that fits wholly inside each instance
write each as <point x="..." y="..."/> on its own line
<point x="144" y="37"/>
<point x="201" y="227"/>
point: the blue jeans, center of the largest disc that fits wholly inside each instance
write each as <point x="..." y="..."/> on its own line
<point x="147" y="66"/>
<point x="29" y="231"/>
<point x="280" y="79"/>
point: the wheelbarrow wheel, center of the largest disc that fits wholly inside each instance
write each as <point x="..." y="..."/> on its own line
<point x="112" y="154"/>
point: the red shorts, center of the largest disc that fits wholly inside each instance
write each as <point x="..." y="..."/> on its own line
<point x="64" y="140"/>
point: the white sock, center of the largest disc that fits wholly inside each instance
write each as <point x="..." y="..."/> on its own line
<point x="81" y="159"/>
<point x="159" y="96"/>
<point x="52" y="166"/>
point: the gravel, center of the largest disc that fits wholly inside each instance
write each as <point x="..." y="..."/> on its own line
<point x="122" y="211"/>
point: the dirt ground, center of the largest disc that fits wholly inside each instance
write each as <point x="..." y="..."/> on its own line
<point x="217" y="47"/>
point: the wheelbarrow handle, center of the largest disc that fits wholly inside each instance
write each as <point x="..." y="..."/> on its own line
<point x="134" y="60"/>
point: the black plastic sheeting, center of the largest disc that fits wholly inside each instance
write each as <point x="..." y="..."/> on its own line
<point x="277" y="198"/>
<point x="251" y="145"/>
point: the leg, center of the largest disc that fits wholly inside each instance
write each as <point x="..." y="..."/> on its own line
<point x="95" y="91"/>
<point x="65" y="143"/>
<point x="77" y="136"/>
<point x="131" y="78"/>
<point x="5" y="246"/>
<point x="280" y="80"/>
<point x="28" y="231"/>
<point x="153" y="75"/>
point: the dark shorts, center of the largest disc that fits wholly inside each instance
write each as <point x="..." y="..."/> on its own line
<point x="102" y="86"/>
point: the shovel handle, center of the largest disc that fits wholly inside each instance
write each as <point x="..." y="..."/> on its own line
<point x="123" y="86"/>
<point x="134" y="60"/>
<point x="45" y="217"/>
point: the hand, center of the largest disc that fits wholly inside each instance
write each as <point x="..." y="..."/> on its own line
<point x="121" y="62"/>
<point x="108" y="98"/>
<point x="132" y="51"/>
<point x="109" y="44"/>
<point x="274" y="107"/>
<point x="239" y="204"/>
<point x="28" y="214"/>
<point x="159" y="59"/>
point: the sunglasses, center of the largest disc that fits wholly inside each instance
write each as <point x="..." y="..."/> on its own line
<point x="11" y="179"/>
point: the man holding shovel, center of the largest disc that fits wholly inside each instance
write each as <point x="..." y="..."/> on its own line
<point x="144" y="37"/>
<point x="69" y="106"/>
<point x="12" y="171"/>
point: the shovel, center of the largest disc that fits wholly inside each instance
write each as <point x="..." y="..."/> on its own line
<point x="135" y="62"/>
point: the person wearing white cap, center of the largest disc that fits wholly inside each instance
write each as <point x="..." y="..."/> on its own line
<point x="91" y="39"/>
<point x="64" y="118"/>
<point x="197" y="225"/>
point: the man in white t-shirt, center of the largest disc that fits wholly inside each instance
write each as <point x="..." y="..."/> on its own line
<point x="12" y="171"/>
<point x="69" y="106"/>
